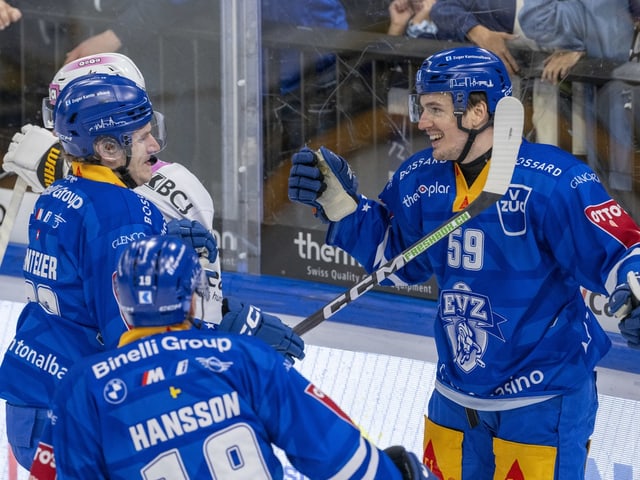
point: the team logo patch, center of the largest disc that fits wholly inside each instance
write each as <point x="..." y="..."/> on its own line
<point x="614" y="220"/>
<point x="512" y="210"/>
<point x="152" y="376"/>
<point x="469" y="320"/>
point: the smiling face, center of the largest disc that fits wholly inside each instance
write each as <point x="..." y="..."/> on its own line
<point x="440" y="124"/>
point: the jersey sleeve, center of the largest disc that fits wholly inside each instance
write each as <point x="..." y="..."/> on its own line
<point x="589" y="232"/>
<point x="294" y="411"/>
<point x="390" y="228"/>
<point x="371" y="217"/>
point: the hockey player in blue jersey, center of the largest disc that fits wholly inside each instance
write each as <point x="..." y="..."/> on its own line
<point x="515" y="393"/>
<point x="174" y="401"/>
<point x="35" y="155"/>
<point x="79" y="225"/>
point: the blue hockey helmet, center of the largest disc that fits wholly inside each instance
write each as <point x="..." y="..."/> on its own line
<point x="99" y="105"/>
<point x="155" y="280"/>
<point x="461" y="71"/>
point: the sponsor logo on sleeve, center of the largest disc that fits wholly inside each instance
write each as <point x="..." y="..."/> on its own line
<point x="611" y="218"/>
<point x="44" y="464"/>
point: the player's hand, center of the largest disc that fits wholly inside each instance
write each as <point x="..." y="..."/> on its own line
<point x="250" y="320"/>
<point x="624" y="303"/>
<point x="195" y="234"/>
<point x="407" y="462"/>
<point x="36" y="156"/>
<point x="208" y="306"/>
<point x="324" y="181"/>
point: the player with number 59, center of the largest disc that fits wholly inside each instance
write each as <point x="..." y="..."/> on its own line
<point x="515" y="392"/>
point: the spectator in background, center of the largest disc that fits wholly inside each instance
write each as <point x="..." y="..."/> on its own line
<point x="8" y="14"/>
<point x="411" y="17"/>
<point x="489" y="24"/>
<point x="571" y="29"/>
<point x="568" y="30"/>
<point x="283" y="84"/>
<point x="598" y="29"/>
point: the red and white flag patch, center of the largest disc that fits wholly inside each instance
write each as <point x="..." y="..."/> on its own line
<point x="613" y="219"/>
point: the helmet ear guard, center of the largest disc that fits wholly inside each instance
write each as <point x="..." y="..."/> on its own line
<point x="107" y="148"/>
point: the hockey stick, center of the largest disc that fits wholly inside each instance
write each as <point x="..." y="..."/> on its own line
<point x="507" y="136"/>
<point x="10" y="215"/>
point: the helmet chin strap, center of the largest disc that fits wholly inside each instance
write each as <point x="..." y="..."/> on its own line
<point x="473" y="132"/>
<point x="124" y="174"/>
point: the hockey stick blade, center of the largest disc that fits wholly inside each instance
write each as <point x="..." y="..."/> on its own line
<point x="10" y="215"/>
<point x="507" y="136"/>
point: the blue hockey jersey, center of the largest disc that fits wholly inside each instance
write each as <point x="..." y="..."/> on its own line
<point x="77" y="231"/>
<point x="512" y="326"/>
<point x="200" y="404"/>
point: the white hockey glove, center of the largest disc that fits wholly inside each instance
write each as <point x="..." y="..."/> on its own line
<point x="36" y="156"/>
<point x="208" y="307"/>
<point x="324" y="181"/>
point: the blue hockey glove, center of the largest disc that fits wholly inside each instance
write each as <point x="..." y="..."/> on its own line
<point x="624" y="303"/>
<point x="407" y="462"/>
<point x="195" y="234"/>
<point x="324" y="181"/>
<point x="250" y="320"/>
